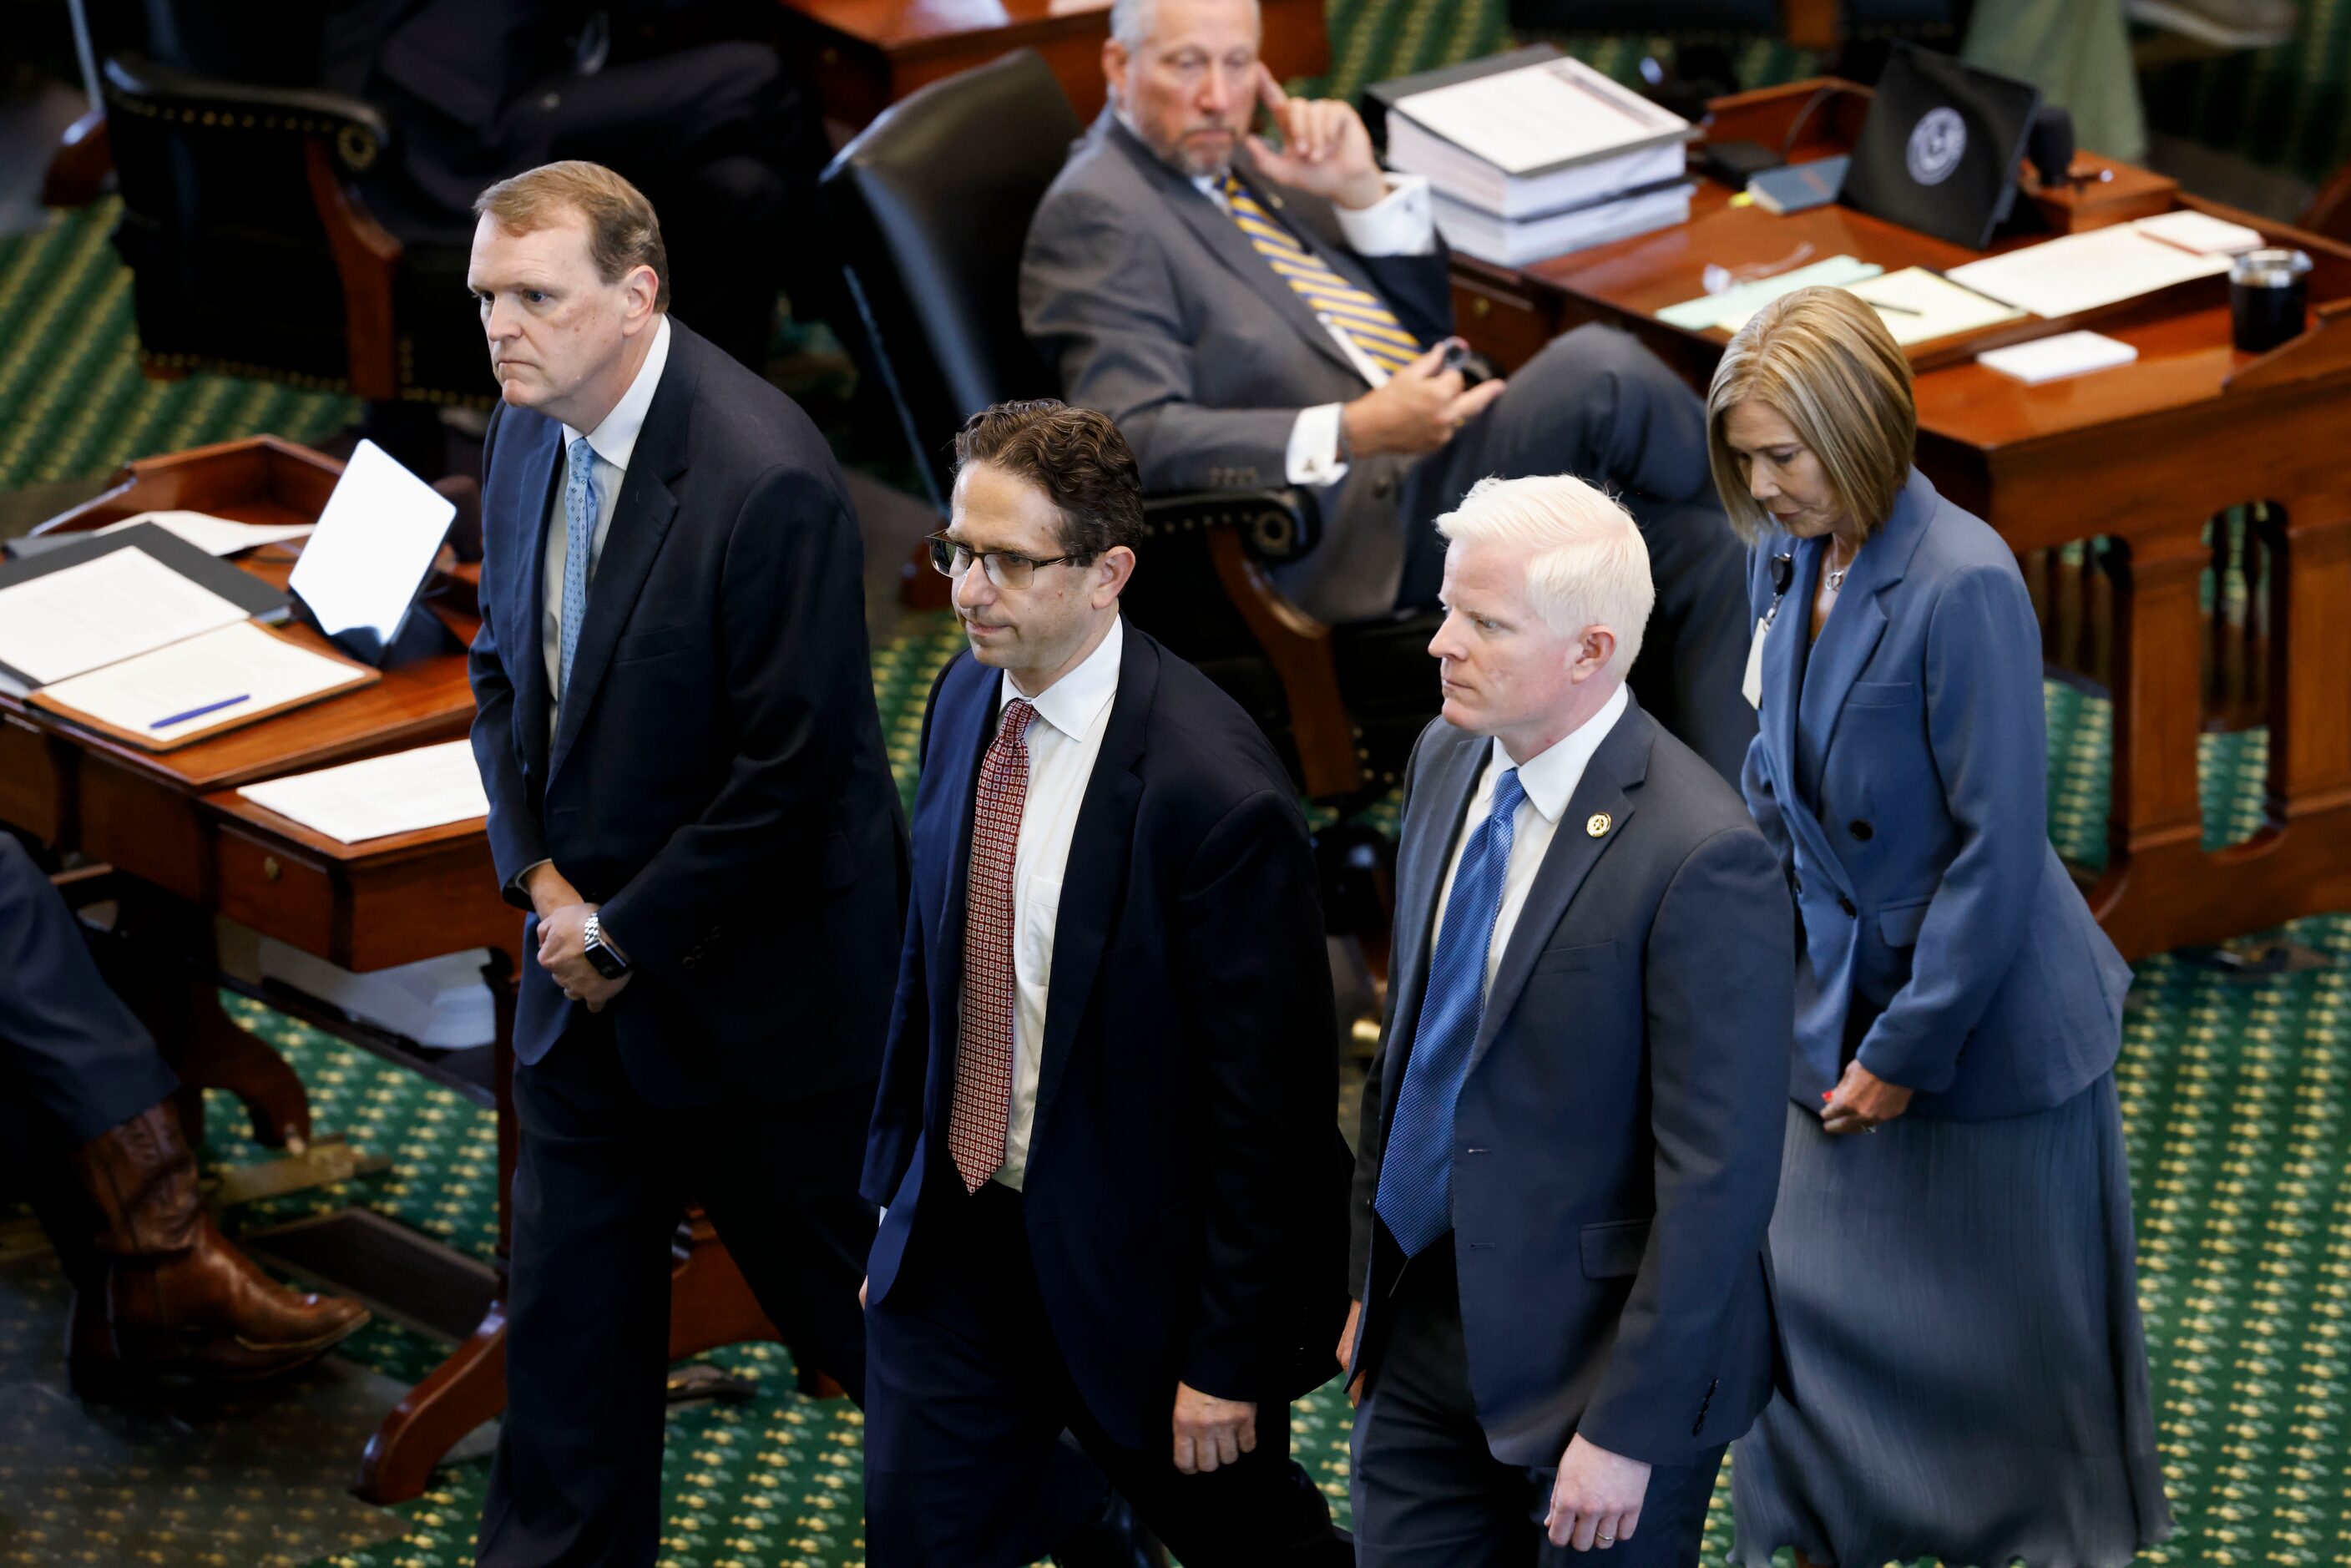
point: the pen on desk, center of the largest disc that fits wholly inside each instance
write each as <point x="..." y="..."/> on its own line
<point x="1892" y="310"/>
<point x="200" y="711"/>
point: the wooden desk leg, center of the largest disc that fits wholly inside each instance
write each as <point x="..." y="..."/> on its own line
<point x="2158" y="714"/>
<point x="216" y="1052"/>
<point x="2310" y="663"/>
<point x="163" y="966"/>
<point x="470" y="1387"/>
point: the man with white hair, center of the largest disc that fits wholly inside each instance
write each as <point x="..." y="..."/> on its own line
<point x="1254" y="316"/>
<point x="1570" y="1134"/>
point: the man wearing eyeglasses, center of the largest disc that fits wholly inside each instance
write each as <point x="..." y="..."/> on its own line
<point x="1095" y="1141"/>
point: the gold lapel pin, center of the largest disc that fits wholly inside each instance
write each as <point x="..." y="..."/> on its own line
<point x="1597" y="823"/>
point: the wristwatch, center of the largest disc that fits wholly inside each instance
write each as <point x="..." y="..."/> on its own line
<point x="600" y="951"/>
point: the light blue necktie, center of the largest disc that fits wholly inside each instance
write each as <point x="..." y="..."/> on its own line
<point x="1415" y="1190"/>
<point x="579" y="539"/>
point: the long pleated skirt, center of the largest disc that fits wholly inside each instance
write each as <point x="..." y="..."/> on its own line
<point x="1967" y="1369"/>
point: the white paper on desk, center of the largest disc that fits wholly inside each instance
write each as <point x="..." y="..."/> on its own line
<point x="116" y="607"/>
<point x="2074" y="273"/>
<point x="427" y="788"/>
<point x="1743" y="299"/>
<point x="375" y="541"/>
<point x="216" y="536"/>
<point x="1930" y="308"/>
<point x="2200" y="232"/>
<point x="2066" y="354"/>
<point x="239" y="661"/>
<point x="1541" y="116"/>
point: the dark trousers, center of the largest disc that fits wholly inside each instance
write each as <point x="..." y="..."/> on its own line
<point x="69" y="1050"/>
<point x="968" y="1392"/>
<point x="1596" y="404"/>
<point x="601" y="1181"/>
<point x="1428" y="1491"/>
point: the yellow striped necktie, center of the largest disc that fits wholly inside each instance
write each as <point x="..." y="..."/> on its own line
<point x="1363" y="316"/>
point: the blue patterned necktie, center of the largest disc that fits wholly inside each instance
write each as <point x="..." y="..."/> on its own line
<point x="579" y="539"/>
<point x="1415" y="1190"/>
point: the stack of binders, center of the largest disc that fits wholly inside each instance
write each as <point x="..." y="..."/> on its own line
<point x="1532" y="155"/>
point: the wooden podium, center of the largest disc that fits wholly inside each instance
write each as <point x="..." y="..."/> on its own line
<point x="2144" y="457"/>
<point x="187" y="848"/>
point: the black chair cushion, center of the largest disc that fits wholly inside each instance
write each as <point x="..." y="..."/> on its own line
<point x="931" y="204"/>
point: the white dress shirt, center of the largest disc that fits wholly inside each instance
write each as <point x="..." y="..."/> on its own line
<point x="1549" y="782"/>
<point x="1402" y="222"/>
<point x="1063" y="741"/>
<point x="611" y="443"/>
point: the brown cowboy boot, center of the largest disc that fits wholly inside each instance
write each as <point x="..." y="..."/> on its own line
<point x="178" y="1302"/>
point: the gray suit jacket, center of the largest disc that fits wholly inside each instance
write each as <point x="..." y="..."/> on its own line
<point x="1153" y="308"/>
<point x="1617" y="1142"/>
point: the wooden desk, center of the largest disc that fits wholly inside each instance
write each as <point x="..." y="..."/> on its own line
<point x="2145" y="456"/>
<point x="189" y="848"/>
<point x="862" y="56"/>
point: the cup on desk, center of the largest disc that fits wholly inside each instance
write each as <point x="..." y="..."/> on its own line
<point x="2269" y="292"/>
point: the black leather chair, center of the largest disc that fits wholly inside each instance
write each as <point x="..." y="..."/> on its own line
<point x="251" y="249"/>
<point x="931" y="206"/>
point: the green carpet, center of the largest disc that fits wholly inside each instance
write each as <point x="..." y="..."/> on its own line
<point x="2236" y="1091"/>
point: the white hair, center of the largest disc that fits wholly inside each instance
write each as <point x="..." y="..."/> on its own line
<point x="1133" y="21"/>
<point x="1589" y="565"/>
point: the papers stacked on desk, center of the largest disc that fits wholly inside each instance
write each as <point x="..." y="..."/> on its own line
<point x="404" y="793"/>
<point x="2074" y="273"/>
<point x="1532" y="154"/>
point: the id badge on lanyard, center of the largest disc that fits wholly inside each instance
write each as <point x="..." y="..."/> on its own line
<point x="1751" y="686"/>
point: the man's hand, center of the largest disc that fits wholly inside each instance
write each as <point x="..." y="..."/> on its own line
<point x="563" y="953"/>
<point x="1862" y="1101"/>
<point x="1346" y="1352"/>
<point x="1419" y="410"/>
<point x="1596" y="1501"/>
<point x="1324" y="148"/>
<point x="548" y="889"/>
<point x="1210" y="1431"/>
<point x="861" y="1289"/>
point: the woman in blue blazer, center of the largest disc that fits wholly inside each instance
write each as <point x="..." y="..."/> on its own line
<point x="1967" y="1371"/>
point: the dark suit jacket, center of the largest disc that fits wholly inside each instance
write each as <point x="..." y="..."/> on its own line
<point x="1188" y="1069"/>
<point x="1617" y="1139"/>
<point x="1901" y="771"/>
<point x="1152" y="307"/>
<point x="717" y="780"/>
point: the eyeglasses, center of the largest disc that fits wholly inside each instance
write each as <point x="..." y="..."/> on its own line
<point x="1005" y="568"/>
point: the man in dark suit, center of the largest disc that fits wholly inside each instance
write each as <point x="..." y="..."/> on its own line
<point x="687" y="789"/>
<point x="1108" y="1058"/>
<point x="87" y="1131"/>
<point x="1570" y="1135"/>
<point x="1253" y="317"/>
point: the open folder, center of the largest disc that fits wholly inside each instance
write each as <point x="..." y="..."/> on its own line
<point x="201" y="686"/>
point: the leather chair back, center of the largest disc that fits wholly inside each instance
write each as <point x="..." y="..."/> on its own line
<point x="931" y="206"/>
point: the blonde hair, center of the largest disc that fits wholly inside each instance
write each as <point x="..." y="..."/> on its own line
<point x="1824" y="362"/>
<point x="1590" y="566"/>
<point x="622" y="233"/>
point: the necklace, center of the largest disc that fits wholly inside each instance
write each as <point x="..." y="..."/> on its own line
<point x="1836" y="576"/>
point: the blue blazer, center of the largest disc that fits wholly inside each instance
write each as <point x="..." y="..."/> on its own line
<point x="1900" y="769"/>
<point x="1185" y="1196"/>
<point x="717" y="779"/>
<point x="1617" y="1142"/>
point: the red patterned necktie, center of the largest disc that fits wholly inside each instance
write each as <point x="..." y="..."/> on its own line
<point x="983" y="1082"/>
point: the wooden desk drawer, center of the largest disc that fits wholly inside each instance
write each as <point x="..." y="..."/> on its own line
<point x="275" y="892"/>
<point x="1509" y="326"/>
<point x="33" y="785"/>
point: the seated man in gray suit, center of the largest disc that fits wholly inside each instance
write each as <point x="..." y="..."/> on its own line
<point x="1253" y="317"/>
